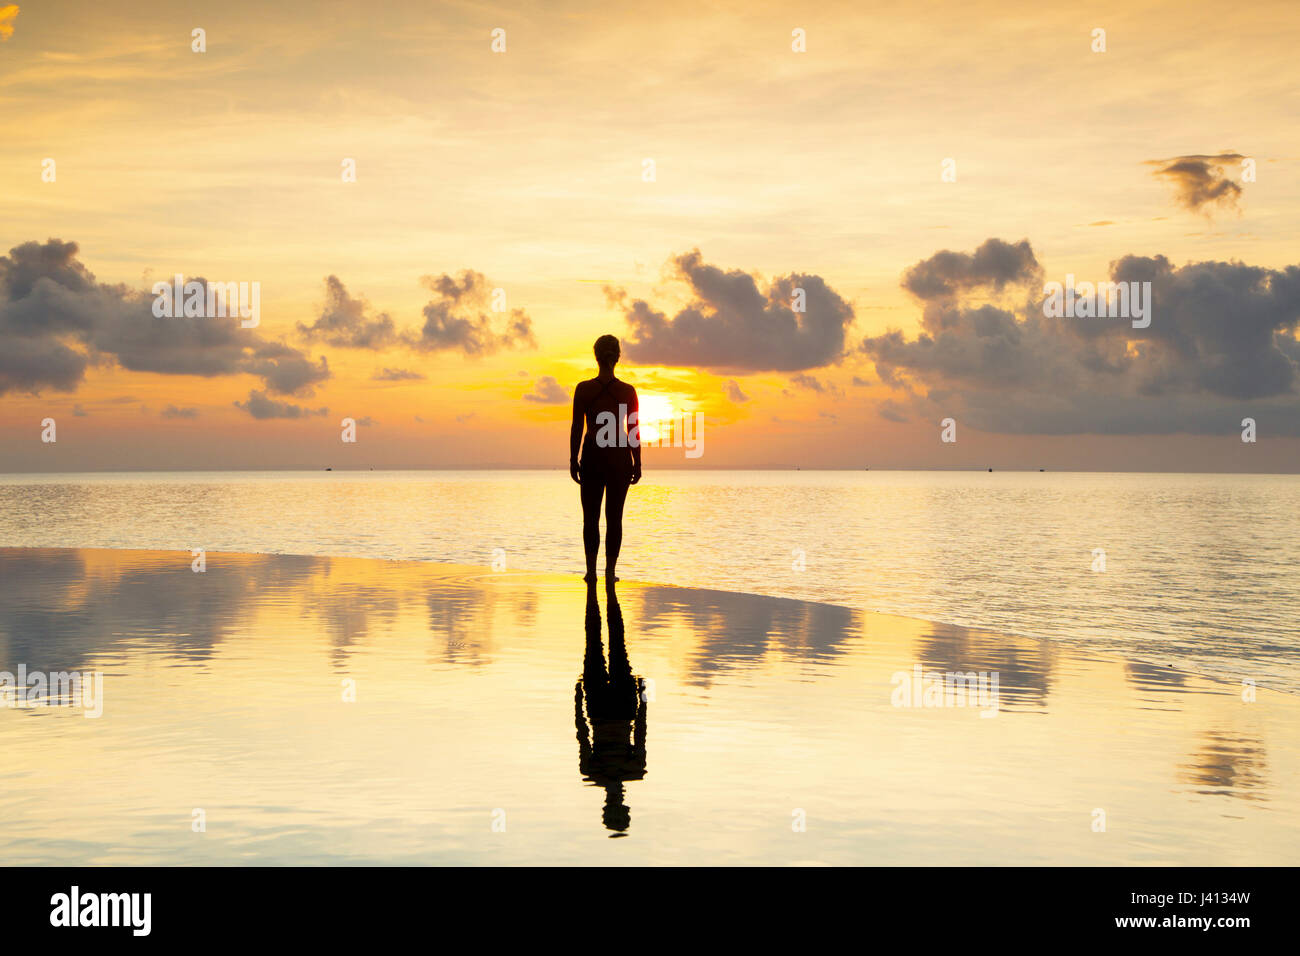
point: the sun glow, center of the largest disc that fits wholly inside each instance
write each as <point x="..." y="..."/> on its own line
<point x="655" y="417"/>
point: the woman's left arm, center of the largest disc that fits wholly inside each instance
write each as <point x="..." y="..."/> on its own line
<point x="575" y="437"/>
<point x="634" y="435"/>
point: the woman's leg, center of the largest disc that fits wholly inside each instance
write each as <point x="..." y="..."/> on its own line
<point x="616" y="495"/>
<point x="593" y="487"/>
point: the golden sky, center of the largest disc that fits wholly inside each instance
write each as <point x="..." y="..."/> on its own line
<point x="525" y="168"/>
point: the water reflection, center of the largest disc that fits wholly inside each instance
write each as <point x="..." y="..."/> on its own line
<point x="64" y="608"/>
<point x="1228" y="765"/>
<point x="735" y="631"/>
<point x="223" y="689"/>
<point x="1024" y="669"/>
<point x="1153" y="678"/>
<point x="611" y="739"/>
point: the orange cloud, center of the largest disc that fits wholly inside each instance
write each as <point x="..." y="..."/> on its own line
<point x="8" y="14"/>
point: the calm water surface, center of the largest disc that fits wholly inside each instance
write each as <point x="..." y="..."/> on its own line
<point x="1202" y="571"/>
<point x="322" y="710"/>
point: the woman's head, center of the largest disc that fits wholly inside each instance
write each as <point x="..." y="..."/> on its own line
<point x="607" y="351"/>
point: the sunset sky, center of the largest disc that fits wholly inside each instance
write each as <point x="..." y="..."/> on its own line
<point x="525" y="171"/>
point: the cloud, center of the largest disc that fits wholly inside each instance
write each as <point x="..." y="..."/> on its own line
<point x="57" y="320"/>
<point x="396" y="375"/>
<point x="28" y="365"/>
<point x="262" y="407"/>
<point x="455" y="319"/>
<point x="892" y="411"/>
<point x="1221" y="346"/>
<point x="343" y="322"/>
<point x="547" y="391"/>
<point x="994" y="265"/>
<point x="1200" y="182"/>
<point x="80" y="412"/>
<point x="286" y="370"/>
<point x="8" y="13"/>
<point x="813" y="384"/>
<point x="733" y="392"/>
<point x="171" y="411"/>
<point x="733" y="324"/>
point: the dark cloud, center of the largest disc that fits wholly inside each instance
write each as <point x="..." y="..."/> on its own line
<point x="56" y="320"/>
<point x="171" y="411"/>
<point x="733" y="392"/>
<point x="994" y="265"/>
<point x="459" y="318"/>
<point x="547" y="391"/>
<point x="892" y="411"/>
<point x="1200" y="182"/>
<point x="455" y="319"/>
<point x="30" y="364"/>
<point x="344" y="321"/>
<point x="814" y="384"/>
<point x="733" y="324"/>
<point x="262" y="407"/>
<point x="286" y="370"/>
<point x="1221" y="346"/>
<point x="396" y="375"/>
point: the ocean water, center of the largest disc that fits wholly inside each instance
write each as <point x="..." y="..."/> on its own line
<point x="309" y="710"/>
<point x="1201" y="572"/>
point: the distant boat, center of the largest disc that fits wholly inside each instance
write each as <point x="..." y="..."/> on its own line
<point x="329" y="469"/>
<point x="990" y="469"/>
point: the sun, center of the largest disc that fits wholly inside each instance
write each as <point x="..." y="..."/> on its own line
<point x="656" y="416"/>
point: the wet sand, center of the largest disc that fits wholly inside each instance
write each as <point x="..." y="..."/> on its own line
<point x="276" y="709"/>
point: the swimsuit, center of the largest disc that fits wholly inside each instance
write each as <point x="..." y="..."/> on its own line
<point x="604" y="466"/>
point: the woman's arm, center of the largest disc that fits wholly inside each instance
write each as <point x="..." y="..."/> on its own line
<point x="634" y="439"/>
<point x="575" y="436"/>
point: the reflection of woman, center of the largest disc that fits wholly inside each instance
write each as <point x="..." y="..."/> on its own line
<point x="611" y="453"/>
<point x="616" y="708"/>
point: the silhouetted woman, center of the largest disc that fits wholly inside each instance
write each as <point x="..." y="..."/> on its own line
<point x="611" y="454"/>
<point x="611" y="751"/>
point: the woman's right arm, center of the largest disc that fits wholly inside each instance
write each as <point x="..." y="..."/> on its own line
<point x="636" y="445"/>
<point x="575" y="437"/>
